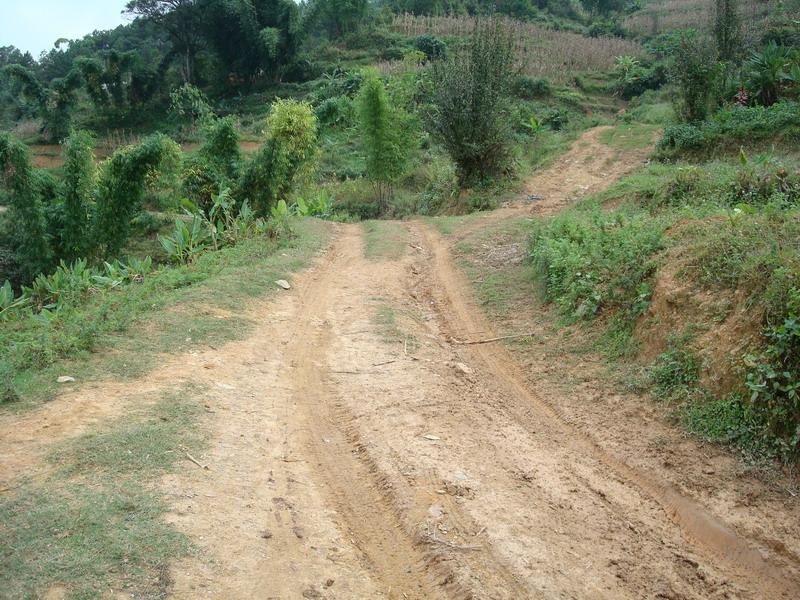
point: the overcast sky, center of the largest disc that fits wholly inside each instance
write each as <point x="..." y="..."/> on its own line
<point x="34" y="25"/>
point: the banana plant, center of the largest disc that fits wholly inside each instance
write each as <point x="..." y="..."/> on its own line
<point x="186" y="241"/>
<point x="8" y="303"/>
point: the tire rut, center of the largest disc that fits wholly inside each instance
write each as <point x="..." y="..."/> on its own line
<point x="358" y="493"/>
<point x="713" y="537"/>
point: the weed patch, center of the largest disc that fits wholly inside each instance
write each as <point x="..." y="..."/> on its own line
<point x="95" y="524"/>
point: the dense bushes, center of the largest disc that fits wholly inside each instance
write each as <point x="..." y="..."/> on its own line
<point x="733" y="126"/>
<point x="121" y="189"/>
<point x="735" y="228"/>
<point x="592" y="262"/>
<point x="287" y="155"/>
<point x="27" y="220"/>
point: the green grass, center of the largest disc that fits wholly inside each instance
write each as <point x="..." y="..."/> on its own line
<point x="96" y="523"/>
<point x="384" y="240"/>
<point x="448" y="225"/>
<point x="140" y="444"/>
<point x="121" y="333"/>
<point x="629" y="136"/>
<point x="386" y="320"/>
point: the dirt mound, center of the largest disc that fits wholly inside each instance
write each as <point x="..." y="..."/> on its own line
<point x="718" y="325"/>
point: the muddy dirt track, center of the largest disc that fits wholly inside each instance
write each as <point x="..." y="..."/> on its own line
<point x="361" y="449"/>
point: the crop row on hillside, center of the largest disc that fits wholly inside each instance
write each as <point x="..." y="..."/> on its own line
<point x="540" y="52"/>
<point x="666" y="15"/>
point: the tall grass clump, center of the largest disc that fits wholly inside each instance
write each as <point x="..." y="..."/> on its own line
<point x="469" y="103"/>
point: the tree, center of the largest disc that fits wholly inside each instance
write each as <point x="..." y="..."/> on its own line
<point x="253" y="38"/>
<point x="121" y="190"/>
<point x="80" y="182"/>
<point x="182" y="20"/>
<point x="338" y="17"/>
<point x="385" y="137"/>
<point x="469" y="107"/>
<point x="285" y="157"/>
<point x="53" y="104"/>
<point x="727" y="29"/>
<point x="29" y="227"/>
<point x="695" y="73"/>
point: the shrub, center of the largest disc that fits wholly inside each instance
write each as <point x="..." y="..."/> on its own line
<point x="675" y="373"/>
<point x="734" y="126"/>
<point x="386" y="137"/>
<point x="469" y="103"/>
<point x="28" y="226"/>
<point x="529" y="88"/>
<point x="633" y="78"/>
<point x="590" y="261"/>
<point x="727" y="29"/>
<point x="287" y="156"/>
<point x="221" y="147"/>
<point x="200" y="182"/>
<point x="121" y="189"/>
<point x="774" y="381"/>
<point x="431" y="46"/>
<point x="695" y="73"/>
<point x="80" y="184"/>
<point x="766" y="71"/>
<point x="555" y="118"/>
<point x="335" y="112"/>
<point x="189" y="106"/>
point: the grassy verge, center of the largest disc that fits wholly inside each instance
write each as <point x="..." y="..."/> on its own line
<point x="384" y="240"/>
<point x="94" y="527"/>
<point x="728" y="233"/>
<point x="121" y="333"/>
<point x="630" y="136"/>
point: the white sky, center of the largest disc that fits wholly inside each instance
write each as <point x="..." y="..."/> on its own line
<point x="34" y="25"/>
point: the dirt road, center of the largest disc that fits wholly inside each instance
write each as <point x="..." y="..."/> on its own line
<point x="360" y="449"/>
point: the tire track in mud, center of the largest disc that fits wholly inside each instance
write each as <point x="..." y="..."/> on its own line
<point x="357" y="492"/>
<point x="454" y="308"/>
<point x="383" y="516"/>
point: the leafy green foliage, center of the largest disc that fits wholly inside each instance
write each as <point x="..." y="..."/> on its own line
<point x="80" y="183"/>
<point x="286" y="157"/>
<point x="189" y="106"/>
<point x="9" y="304"/>
<point x="469" y="102"/>
<point x="590" y="261"/>
<point x="432" y="47"/>
<point x="253" y="38"/>
<point x="122" y="186"/>
<point x="774" y="380"/>
<point x="386" y="137"/>
<point x="633" y="78"/>
<point x="766" y="71"/>
<point x="221" y="147"/>
<point x="727" y="29"/>
<point x="187" y="240"/>
<point x="675" y="373"/>
<point x="734" y="126"/>
<point x="27" y="215"/>
<point x="54" y="104"/>
<point x="695" y="73"/>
